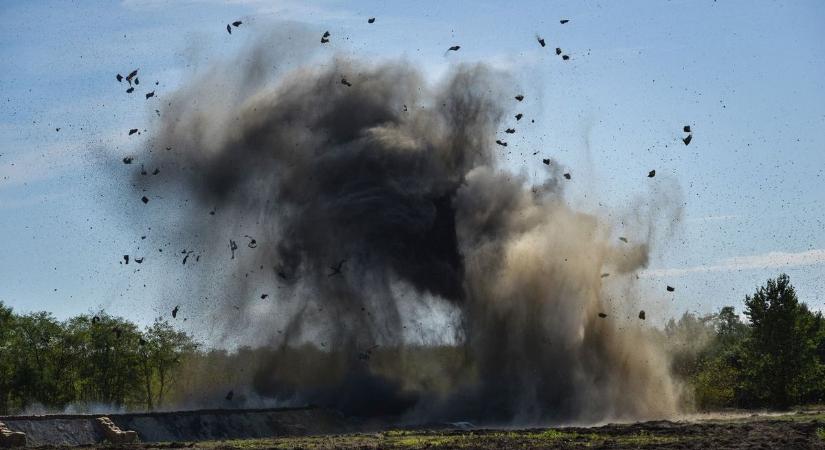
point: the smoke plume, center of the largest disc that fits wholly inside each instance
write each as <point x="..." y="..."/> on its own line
<point x="414" y="275"/>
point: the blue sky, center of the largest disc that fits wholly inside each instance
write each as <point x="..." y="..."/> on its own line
<point x="748" y="76"/>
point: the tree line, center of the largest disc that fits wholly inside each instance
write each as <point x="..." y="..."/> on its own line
<point x="91" y="359"/>
<point x="774" y="359"/>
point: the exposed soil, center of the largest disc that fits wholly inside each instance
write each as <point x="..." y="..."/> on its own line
<point x="792" y="431"/>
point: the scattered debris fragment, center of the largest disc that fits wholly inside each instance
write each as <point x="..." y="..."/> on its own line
<point x="156" y="171"/>
<point x="144" y="199"/>
<point x="133" y="131"/>
<point x="229" y="395"/>
<point x="128" y="160"/>
<point x="567" y="175"/>
<point x="336" y="269"/>
<point x="131" y="75"/>
<point x="454" y="48"/>
<point x="605" y="275"/>
<point x="139" y="260"/>
<point x="371" y="20"/>
<point x="687" y="139"/>
<point x="501" y="143"/>
<point x="651" y="174"/>
<point x="252" y="242"/>
<point x="130" y="90"/>
<point x="519" y="97"/>
<point x="686" y="128"/>
<point x="602" y="315"/>
<point x="236" y="23"/>
<point x="264" y="296"/>
<point x="228" y="29"/>
<point x="175" y="311"/>
<point x="564" y="21"/>
<point x="137" y="81"/>
<point x="546" y="161"/>
<point x="671" y="288"/>
<point x="558" y="51"/>
<point x="519" y="116"/>
<point x="541" y="41"/>
<point x="232" y="247"/>
<point x="623" y="239"/>
<point x="186" y="255"/>
<point x="345" y="82"/>
<point x="642" y="314"/>
<point x="565" y="57"/>
<point x="119" y="78"/>
<point x="126" y="258"/>
<point x="325" y="37"/>
<point x="510" y="130"/>
<point x="150" y="95"/>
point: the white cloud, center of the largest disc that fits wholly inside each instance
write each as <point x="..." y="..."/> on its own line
<point x="771" y="260"/>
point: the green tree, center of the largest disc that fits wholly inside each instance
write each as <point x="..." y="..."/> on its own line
<point x="162" y="350"/>
<point x="6" y="366"/>
<point x="782" y="368"/>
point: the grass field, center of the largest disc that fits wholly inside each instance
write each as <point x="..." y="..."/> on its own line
<point x="790" y="431"/>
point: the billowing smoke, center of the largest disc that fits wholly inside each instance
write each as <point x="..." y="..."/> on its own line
<point x="420" y="278"/>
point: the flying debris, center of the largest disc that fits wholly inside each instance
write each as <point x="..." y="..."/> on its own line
<point x="671" y="288"/>
<point x="567" y="175"/>
<point x="345" y="82"/>
<point x="541" y="41"/>
<point x="144" y="199"/>
<point x="186" y="255"/>
<point x="602" y="315"/>
<point x="605" y="275"/>
<point x="558" y="51"/>
<point x="126" y="258"/>
<point x="371" y="20"/>
<point x="688" y="139"/>
<point x="229" y="395"/>
<point x="119" y="78"/>
<point x="454" y="48"/>
<point x="519" y="116"/>
<point x="252" y="242"/>
<point x="264" y="296"/>
<point x="139" y="260"/>
<point x="175" y="312"/>
<point x="686" y="128"/>
<point x="156" y="171"/>
<point x="130" y="90"/>
<point x="128" y="160"/>
<point x="546" y="161"/>
<point x="326" y="34"/>
<point x="236" y="23"/>
<point x="565" y="57"/>
<point x="131" y="75"/>
<point x="564" y="21"/>
<point x="510" y="130"/>
<point x="651" y="174"/>
<point x="142" y="170"/>
<point x="623" y="239"/>
<point x="336" y="269"/>
<point x="519" y="97"/>
<point x="325" y="37"/>
<point x="137" y="81"/>
<point x="150" y="95"/>
<point x="133" y="131"/>
<point x="232" y="247"/>
<point x="228" y="29"/>
<point x="642" y="314"/>
<point x="501" y="143"/>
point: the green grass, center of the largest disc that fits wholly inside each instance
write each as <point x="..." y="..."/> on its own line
<point x="820" y="433"/>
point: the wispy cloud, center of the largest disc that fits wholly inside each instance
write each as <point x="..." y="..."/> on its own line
<point x="771" y="260"/>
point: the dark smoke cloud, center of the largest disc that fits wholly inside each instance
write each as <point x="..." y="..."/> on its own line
<point x="398" y="178"/>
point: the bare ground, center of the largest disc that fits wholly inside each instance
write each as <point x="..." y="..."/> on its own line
<point x="790" y="431"/>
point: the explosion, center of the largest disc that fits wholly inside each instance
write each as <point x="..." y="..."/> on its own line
<point x="380" y="203"/>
